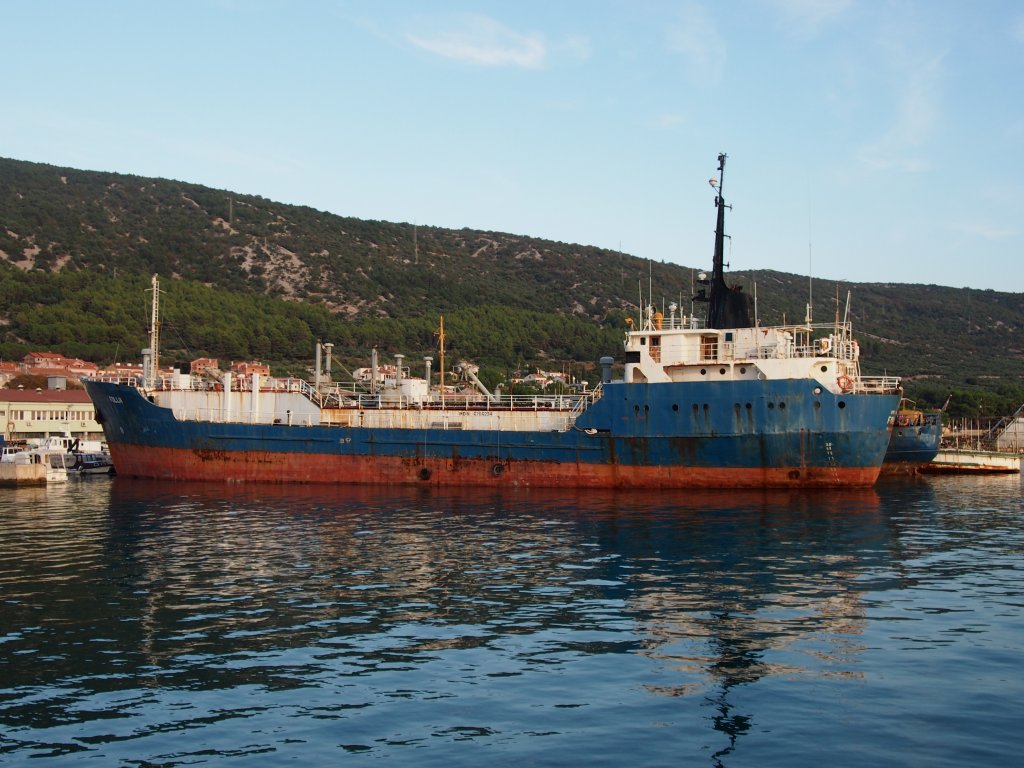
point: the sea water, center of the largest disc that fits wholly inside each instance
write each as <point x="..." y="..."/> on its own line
<point x="146" y="624"/>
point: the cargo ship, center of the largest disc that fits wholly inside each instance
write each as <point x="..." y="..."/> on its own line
<point x="718" y="401"/>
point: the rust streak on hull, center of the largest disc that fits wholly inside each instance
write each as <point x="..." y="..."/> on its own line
<point x="265" y="467"/>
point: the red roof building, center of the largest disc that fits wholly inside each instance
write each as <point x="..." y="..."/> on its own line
<point x="55" y="364"/>
<point x="248" y="367"/>
<point x="203" y="365"/>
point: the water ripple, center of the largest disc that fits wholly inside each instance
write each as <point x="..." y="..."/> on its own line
<point x="269" y="624"/>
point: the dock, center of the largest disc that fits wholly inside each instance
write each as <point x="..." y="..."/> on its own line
<point x="969" y="461"/>
<point x="21" y="475"/>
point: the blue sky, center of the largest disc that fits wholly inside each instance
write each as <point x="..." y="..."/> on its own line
<point x="868" y="140"/>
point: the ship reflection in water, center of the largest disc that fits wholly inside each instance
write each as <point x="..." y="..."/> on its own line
<point x="276" y="623"/>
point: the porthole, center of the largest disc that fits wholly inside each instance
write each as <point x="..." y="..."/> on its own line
<point x="703" y="371"/>
<point x="817" y="390"/>
<point x="749" y="406"/>
<point x="842" y="403"/>
<point x="817" y="404"/>
<point x="675" y="406"/>
<point x="782" y="406"/>
<point x="771" y="406"/>
<point x="721" y="371"/>
<point x="824" y="368"/>
<point x="743" y="369"/>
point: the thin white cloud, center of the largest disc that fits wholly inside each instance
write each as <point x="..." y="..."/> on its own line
<point x="696" y="37"/>
<point x="916" y="115"/>
<point x="482" y="41"/>
<point x="986" y="230"/>
<point x="806" y="18"/>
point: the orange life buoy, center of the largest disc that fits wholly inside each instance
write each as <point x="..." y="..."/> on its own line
<point x="845" y="383"/>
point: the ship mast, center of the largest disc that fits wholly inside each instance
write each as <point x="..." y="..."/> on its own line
<point x="718" y="264"/>
<point x="154" y="337"/>
<point x="728" y="306"/>
<point x="441" y="372"/>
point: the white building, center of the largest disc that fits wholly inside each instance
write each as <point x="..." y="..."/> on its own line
<point x="38" y="413"/>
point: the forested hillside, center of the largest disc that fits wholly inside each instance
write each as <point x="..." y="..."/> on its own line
<point x="246" y="277"/>
<point x="59" y="219"/>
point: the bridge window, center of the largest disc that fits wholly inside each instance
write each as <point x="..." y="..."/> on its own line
<point x="709" y="347"/>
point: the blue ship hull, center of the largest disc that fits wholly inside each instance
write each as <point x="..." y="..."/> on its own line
<point x="783" y="433"/>
<point x="915" y="441"/>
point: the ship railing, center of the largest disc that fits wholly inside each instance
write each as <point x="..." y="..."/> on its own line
<point x="570" y="403"/>
<point x="584" y="402"/>
<point x="131" y="381"/>
<point x="673" y="322"/>
<point x="311" y="393"/>
<point x="839" y="351"/>
<point x="884" y="385"/>
<point x="200" y="383"/>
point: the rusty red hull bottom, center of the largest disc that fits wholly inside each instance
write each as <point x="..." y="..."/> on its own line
<point x="311" y="468"/>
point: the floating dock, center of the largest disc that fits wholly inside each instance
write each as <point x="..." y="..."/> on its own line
<point x="968" y="461"/>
